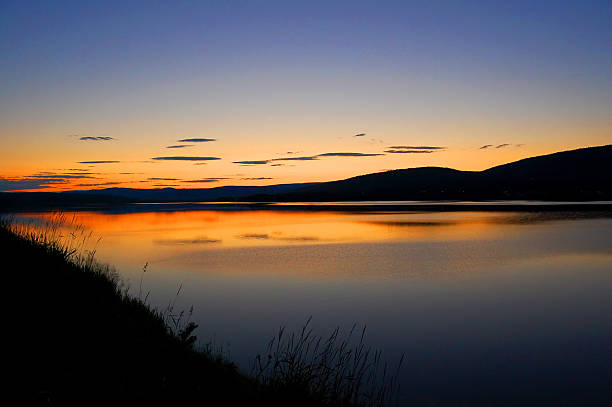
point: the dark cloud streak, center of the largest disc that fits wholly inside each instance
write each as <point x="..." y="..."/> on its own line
<point x="196" y="140"/>
<point x="98" y="162"/>
<point x="98" y="138"/>
<point x="253" y="162"/>
<point x="99" y="185"/>
<point x="205" y="180"/>
<point x="408" y="151"/>
<point x="18" y="184"/>
<point x="183" y="158"/>
<point x="306" y="158"/>
<point x="311" y="158"/>
<point x="348" y="155"/>
<point x="417" y="148"/>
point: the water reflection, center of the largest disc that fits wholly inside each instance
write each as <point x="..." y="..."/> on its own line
<point x="197" y="240"/>
<point x="490" y="308"/>
<point x="273" y="228"/>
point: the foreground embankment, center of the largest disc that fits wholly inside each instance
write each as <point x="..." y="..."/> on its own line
<point x="82" y="339"/>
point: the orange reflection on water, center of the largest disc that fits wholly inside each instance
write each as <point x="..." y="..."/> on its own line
<point x="218" y="229"/>
<point x="310" y="244"/>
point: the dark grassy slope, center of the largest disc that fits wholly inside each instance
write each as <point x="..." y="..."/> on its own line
<point x="80" y="340"/>
<point x="577" y="175"/>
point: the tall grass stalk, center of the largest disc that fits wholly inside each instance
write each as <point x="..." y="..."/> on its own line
<point x="335" y="371"/>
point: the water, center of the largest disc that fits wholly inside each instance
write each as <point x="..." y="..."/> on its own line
<point x="489" y="308"/>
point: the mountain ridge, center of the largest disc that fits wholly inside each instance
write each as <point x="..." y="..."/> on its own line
<point x="578" y="175"/>
<point x="574" y="175"/>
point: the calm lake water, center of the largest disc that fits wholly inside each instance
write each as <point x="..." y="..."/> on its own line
<point x="489" y="308"/>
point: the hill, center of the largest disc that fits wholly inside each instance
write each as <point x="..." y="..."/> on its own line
<point x="577" y="175"/>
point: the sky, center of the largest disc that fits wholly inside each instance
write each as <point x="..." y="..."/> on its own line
<point x="198" y="94"/>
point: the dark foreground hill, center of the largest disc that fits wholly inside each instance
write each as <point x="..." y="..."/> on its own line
<point x="78" y="340"/>
<point x="577" y="175"/>
<point x="77" y="337"/>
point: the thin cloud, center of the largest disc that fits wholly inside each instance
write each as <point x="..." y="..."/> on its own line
<point x="504" y="145"/>
<point x="181" y="146"/>
<point x="277" y="165"/>
<point x="100" y="184"/>
<point x="162" y="179"/>
<point x="205" y="180"/>
<point x="98" y="138"/>
<point x="305" y="158"/>
<point x="63" y="176"/>
<point x="196" y="140"/>
<point x="255" y="178"/>
<point x="183" y="158"/>
<point x="359" y="135"/>
<point x="417" y="148"/>
<point x="17" y="184"/>
<point x="311" y="158"/>
<point x="98" y="162"/>
<point x="408" y="151"/>
<point x="348" y="155"/>
<point x="41" y="180"/>
<point x="252" y="162"/>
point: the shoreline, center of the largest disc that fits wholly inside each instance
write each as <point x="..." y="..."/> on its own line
<point x="603" y="207"/>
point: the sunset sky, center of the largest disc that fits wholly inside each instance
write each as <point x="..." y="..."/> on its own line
<point x="210" y="93"/>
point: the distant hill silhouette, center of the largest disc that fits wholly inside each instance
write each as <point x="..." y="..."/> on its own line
<point x="226" y="193"/>
<point x="577" y="175"/>
<point x="120" y="196"/>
